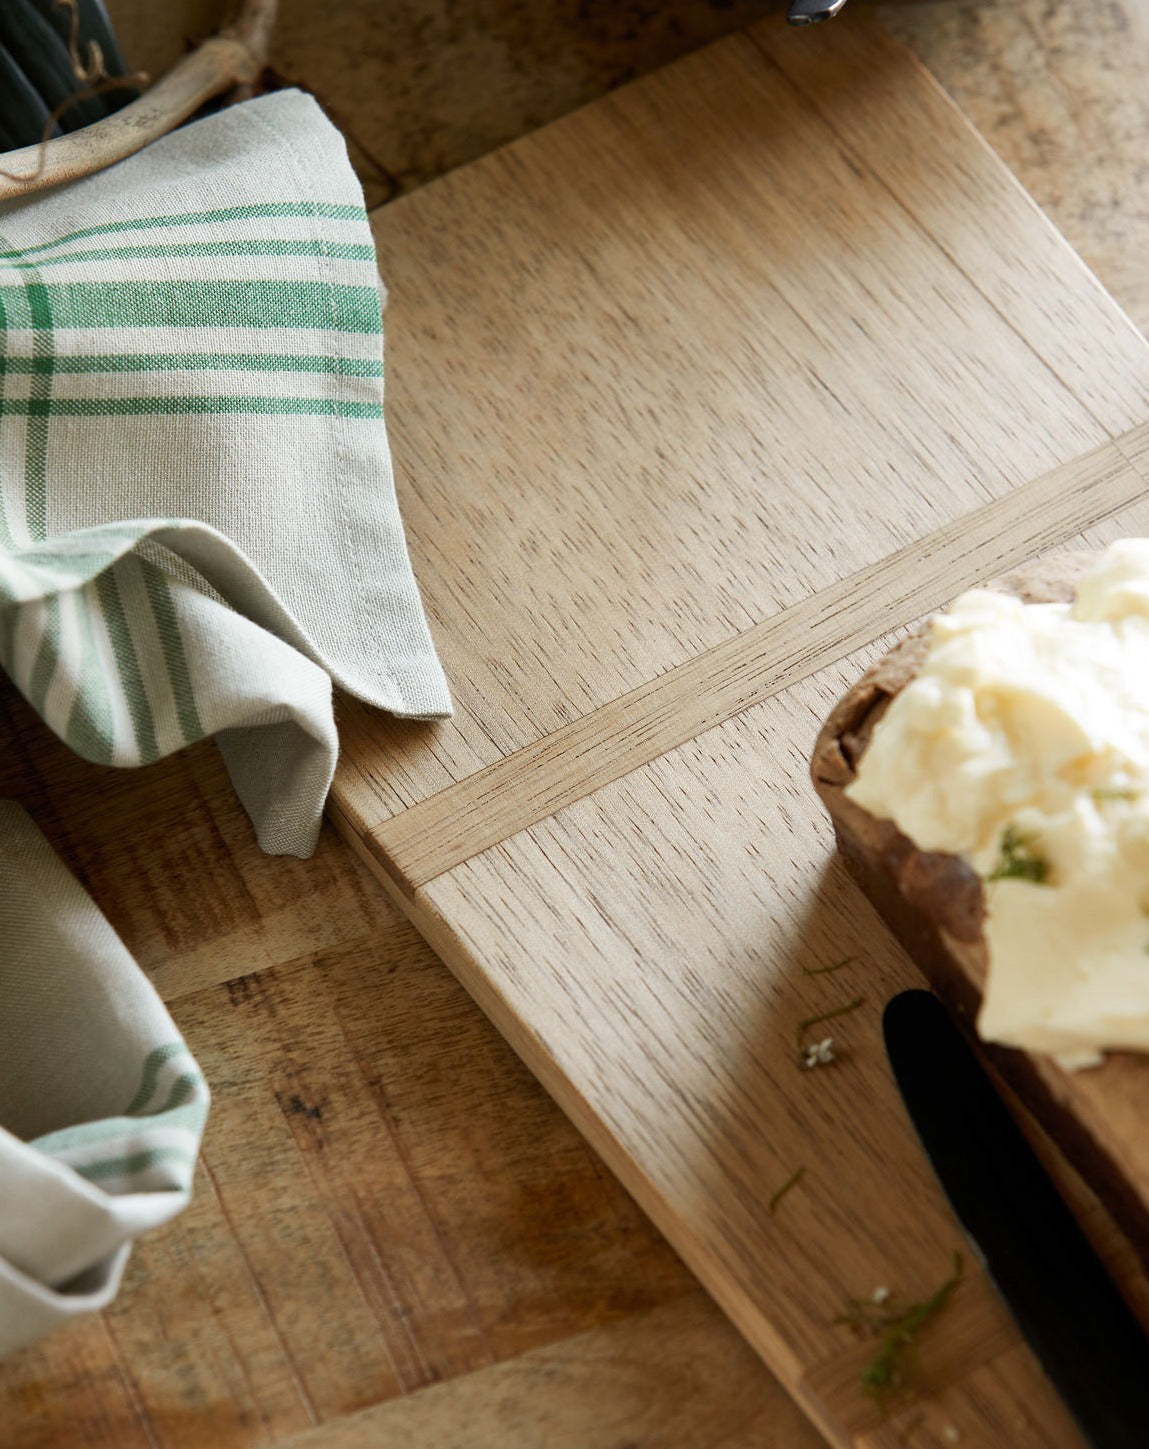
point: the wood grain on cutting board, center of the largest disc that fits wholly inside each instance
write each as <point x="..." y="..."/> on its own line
<point x="695" y="397"/>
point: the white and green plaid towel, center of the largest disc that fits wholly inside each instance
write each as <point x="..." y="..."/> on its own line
<point x="198" y="533"/>
<point x="102" y="1104"/>
<point x="191" y="366"/>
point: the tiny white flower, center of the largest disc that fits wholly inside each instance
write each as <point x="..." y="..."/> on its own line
<point x="819" y="1053"/>
<point x="880" y="1295"/>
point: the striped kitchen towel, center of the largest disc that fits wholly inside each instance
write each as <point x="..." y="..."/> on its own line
<point x="198" y="523"/>
<point x="198" y="533"/>
<point x="102" y="1104"/>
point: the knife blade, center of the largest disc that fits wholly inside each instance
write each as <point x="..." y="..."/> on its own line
<point x="1080" y="1328"/>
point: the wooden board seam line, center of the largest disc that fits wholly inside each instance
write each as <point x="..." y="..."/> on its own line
<point x="482" y="809"/>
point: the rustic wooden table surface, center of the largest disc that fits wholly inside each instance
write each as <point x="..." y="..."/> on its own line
<point x="396" y="1237"/>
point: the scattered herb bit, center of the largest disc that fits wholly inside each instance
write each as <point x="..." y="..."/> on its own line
<point x="899" y="1327"/>
<point x="1019" y="860"/>
<point x="792" y="1181"/>
<point x="1114" y="792"/>
<point x="825" y="970"/>
<point x="804" y="1026"/>
<point x="819" y="1053"/>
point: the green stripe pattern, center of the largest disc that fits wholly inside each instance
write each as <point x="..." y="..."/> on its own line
<point x="152" y="1146"/>
<point x="224" y="215"/>
<point x="112" y="362"/>
<point x="116" y="684"/>
<point x="181" y="303"/>
<point x="258" y="310"/>
<point x="41" y="408"/>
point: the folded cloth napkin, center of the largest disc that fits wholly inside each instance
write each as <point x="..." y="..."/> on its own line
<point x="103" y="1106"/>
<point x="191" y="369"/>
<point x="198" y="534"/>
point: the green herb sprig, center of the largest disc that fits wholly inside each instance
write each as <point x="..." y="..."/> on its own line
<point x="791" y="1182"/>
<point x="1019" y="860"/>
<point x="898" y="1326"/>
<point x="832" y="1015"/>
<point x="826" y="970"/>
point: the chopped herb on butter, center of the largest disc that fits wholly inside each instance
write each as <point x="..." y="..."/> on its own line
<point x="1019" y="860"/>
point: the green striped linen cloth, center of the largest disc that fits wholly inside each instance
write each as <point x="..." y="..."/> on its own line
<point x="102" y="1104"/>
<point x="198" y="534"/>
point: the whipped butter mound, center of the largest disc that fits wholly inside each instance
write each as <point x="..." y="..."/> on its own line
<point x="1022" y="746"/>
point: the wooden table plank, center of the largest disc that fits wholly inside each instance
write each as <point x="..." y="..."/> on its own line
<point x="592" y="1391"/>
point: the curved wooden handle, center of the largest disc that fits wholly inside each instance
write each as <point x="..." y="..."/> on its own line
<point x="233" y="57"/>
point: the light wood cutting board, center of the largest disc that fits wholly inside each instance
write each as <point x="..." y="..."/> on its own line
<point x="697" y="397"/>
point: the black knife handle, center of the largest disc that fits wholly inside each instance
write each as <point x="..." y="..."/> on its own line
<point x="1080" y="1328"/>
